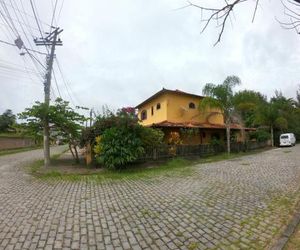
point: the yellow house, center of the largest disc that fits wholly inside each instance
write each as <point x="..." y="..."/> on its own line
<point x="177" y="111"/>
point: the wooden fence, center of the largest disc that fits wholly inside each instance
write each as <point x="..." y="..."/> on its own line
<point x="169" y="151"/>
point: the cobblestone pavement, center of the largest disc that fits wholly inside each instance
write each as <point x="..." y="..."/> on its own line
<point x="236" y="204"/>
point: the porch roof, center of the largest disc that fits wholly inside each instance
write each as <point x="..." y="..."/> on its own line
<point x="168" y="124"/>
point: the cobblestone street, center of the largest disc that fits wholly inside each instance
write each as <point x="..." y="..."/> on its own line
<point x="242" y="203"/>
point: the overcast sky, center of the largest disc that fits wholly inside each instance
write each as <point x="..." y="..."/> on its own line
<point x="120" y="52"/>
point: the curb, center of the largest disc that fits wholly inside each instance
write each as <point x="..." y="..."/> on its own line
<point x="289" y="230"/>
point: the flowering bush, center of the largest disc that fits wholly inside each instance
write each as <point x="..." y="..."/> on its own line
<point x="119" y="139"/>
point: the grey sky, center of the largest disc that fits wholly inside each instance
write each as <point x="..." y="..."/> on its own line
<point x="119" y="52"/>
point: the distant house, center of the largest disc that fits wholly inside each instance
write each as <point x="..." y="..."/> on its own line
<point x="177" y="111"/>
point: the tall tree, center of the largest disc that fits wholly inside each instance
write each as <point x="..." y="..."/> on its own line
<point x="7" y="119"/>
<point x="297" y="102"/>
<point x="64" y="121"/>
<point x="246" y="103"/>
<point x="276" y="114"/>
<point x="221" y="97"/>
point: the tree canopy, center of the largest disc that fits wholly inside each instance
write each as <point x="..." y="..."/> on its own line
<point x="7" y="120"/>
<point x="64" y="121"/>
<point x="221" y="96"/>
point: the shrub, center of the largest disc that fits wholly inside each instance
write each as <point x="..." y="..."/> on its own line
<point x="151" y="137"/>
<point x="216" y="142"/>
<point x="118" y="139"/>
<point x="118" y="147"/>
<point x="260" y="135"/>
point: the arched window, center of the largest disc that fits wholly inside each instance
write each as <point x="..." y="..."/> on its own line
<point x="144" y="115"/>
<point x="192" y="105"/>
<point x="158" y="106"/>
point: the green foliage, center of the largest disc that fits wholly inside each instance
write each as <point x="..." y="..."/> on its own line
<point x="105" y="121"/>
<point x="221" y="96"/>
<point x="64" y="121"/>
<point x="7" y="119"/>
<point x="216" y="142"/>
<point x="297" y="102"/>
<point x="246" y="102"/>
<point x="281" y="123"/>
<point x="260" y="135"/>
<point x="118" y="139"/>
<point x="151" y="137"/>
<point x="119" y="146"/>
<point x="280" y="115"/>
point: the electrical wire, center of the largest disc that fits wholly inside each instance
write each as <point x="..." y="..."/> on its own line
<point x="54" y="76"/>
<point x="25" y="13"/>
<point x="66" y="83"/>
<point x="12" y="44"/>
<point x="9" y="25"/>
<point x="18" y="70"/>
<point x="53" y="15"/>
<point x="58" y="16"/>
<point x="37" y="21"/>
<point x="8" y="16"/>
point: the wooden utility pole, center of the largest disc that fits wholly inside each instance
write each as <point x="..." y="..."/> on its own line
<point x="49" y="40"/>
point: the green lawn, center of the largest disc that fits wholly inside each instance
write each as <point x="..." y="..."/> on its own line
<point x="174" y="167"/>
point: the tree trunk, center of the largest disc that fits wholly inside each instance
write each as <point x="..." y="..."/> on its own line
<point x="46" y="143"/>
<point x="70" y="147"/>
<point x="272" y="136"/>
<point x="228" y="136"/>
<point x="76" y="154"/>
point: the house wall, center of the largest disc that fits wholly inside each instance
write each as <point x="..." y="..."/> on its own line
<point x="175" y="108"/>
<point x="159" y="115"/>
<point x="178" y="110"/>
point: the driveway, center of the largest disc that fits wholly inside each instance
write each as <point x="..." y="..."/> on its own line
<point x="242" y="203"/>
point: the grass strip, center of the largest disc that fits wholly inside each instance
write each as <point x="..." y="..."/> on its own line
<point x="176" y="167"/>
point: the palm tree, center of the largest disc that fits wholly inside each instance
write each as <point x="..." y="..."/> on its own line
<point x="221" y="97"/>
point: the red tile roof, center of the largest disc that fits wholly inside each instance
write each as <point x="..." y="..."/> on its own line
<point x="168" y="124"/>
<point x="163" y="91"/>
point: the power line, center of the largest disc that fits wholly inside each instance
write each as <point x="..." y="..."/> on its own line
<point x="14" y="69"/>
<point x="66" y="83"/>
<point x="53" y="15"/>
<point x="13" y="19"/>
<point x="18" y="20"/>
<point x="27" y="21"/>
<point x="24" y="12"/>
<point x="27" y="49"/>
<point x="37" y="22"/>
<point x="9" y="25"/>
<point x="4" y="62"/>
<point x="13" y="27"/>
<point x="58" y="16"/>
<point x="16" y="76"/>
<point x="54" y="76"/>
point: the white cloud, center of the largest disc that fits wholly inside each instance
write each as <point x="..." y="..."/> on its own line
<point x="120" y="52"/>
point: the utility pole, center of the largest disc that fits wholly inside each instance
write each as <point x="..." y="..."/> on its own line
<point x="91" y="116"/>
<point x="50" y="40"/>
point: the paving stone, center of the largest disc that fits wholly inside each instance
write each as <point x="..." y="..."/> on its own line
<point x="224" y="205"/>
